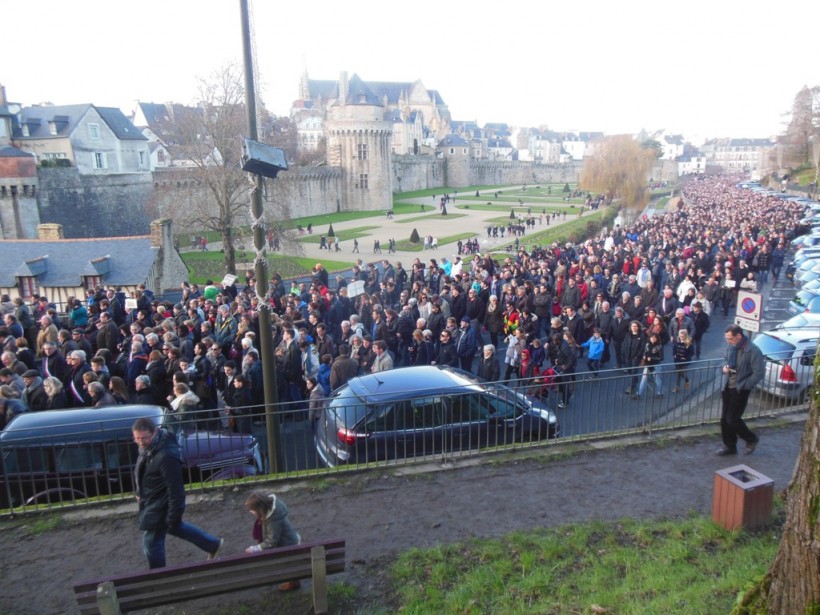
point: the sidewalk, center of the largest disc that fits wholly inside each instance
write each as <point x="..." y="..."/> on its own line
<point x="383" y="512"/>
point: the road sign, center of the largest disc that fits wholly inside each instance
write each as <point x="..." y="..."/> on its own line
<point x="747" y="324"/>
<point x="749" y="305"/>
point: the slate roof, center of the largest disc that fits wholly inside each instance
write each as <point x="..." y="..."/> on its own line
<point x="328" y="88"/>
<point x="120" y="125"/>
<point x="359" y="94"/>
<point x="62" y="263"/>
<point x="66" y="118"/>
<point x="7" y="151"/>
<point x="452" y="141"/>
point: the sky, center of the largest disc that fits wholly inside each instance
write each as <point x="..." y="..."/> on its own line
<point x="721" y="68"/>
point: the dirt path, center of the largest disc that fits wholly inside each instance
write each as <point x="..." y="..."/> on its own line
<point x="381" y="513"/>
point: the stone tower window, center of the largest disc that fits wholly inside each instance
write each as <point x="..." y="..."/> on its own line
<point x="362" y="181"/>
<point x="361" y="151"/>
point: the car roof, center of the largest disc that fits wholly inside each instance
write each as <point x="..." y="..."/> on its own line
<point x="74" y="425"/>
<point x="808" y="320"/>
<point x="796" y="336"/>
<point x="415" y="381"/>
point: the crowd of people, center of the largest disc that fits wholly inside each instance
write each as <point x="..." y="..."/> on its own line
<point x="633" y="298"/>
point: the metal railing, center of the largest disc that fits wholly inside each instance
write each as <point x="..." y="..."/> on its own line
<point x="82" y="464"/>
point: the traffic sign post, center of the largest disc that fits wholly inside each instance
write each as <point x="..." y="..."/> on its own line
<point x="748" y="310"/>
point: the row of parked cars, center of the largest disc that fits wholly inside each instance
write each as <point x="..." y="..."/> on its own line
<point x="790" y="348"/>
<point x="68" y="456"/>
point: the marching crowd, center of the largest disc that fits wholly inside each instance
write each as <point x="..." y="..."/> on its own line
<point x="632" y="299"/>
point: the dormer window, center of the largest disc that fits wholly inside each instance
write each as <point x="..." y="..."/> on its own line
<point x="52" y="128"/>
<point x="25" y="130"/>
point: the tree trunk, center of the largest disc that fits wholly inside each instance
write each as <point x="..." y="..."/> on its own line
<point x="230" y="251"/>
<point x="792" y="585"/>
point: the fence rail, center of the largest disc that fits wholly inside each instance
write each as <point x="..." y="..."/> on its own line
<point x="76" y="465"/>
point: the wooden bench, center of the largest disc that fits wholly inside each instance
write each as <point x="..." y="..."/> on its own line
<point x="150" y="588"/>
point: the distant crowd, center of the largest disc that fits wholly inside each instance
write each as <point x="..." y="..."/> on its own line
<point x="631" y="298"/>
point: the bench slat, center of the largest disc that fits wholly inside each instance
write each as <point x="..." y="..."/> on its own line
<point x="184" y="582"/>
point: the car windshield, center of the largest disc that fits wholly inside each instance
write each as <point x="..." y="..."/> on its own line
<point x="773" y="348"/>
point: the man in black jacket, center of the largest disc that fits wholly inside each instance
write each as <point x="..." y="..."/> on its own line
<point x="161" y="494"/>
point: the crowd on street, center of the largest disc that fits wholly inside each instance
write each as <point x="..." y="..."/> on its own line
<point x="633" y="298"/>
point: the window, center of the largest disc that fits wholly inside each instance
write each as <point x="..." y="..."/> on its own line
<point x="452" y="150"/>
<point x="78" y="458"/>
<point x="27" y="286"/>
<point x="52" y="128"/>
<point x="361" y="151"/>
<point x="100" y="161"/>
<point x="92" y="281"/>
<point x="94" y="132"/>
<point x="142" y="157"/>
<point x="363" y="181"/>
<point x="26" y="131"/>
<point x="161" y="155"/>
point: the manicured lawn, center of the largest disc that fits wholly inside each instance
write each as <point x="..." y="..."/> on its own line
<point x="407" y="245"/>
<point x="343" y="235"/>
<point x="211" y="265"/>
<point x="428" y="217"/>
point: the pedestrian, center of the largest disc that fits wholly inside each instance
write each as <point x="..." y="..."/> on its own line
<point x="355" y="245"/>
<point x="682" y="351"/>
<point x="651" y="361"/>
<point x="271" y="528"/>
<point x="744" y="367"/>
<point x="595" y="348"/>
<point x="161" y="494"/>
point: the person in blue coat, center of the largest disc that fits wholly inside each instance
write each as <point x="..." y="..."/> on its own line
<point x="595" y="351"/>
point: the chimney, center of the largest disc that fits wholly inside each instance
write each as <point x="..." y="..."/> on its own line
<point x="342" y="88"/>
<point x="49" y="232"/>
<point x="2" y="95"/>
<point x="161" y="233"/>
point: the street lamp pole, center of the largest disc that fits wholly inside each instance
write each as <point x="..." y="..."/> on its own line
<point x="261" y="261"/>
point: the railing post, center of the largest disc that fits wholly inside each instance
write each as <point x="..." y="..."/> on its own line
<point x="107" y="600"/>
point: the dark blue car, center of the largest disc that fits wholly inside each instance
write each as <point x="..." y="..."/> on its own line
<point x="417" y="411"/>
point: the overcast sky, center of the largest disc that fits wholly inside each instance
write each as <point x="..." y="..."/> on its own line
<point x="701" y="68"/>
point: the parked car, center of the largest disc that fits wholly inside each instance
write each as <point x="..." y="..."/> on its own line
<point x="806" y="320"/>
<point x="801" y="279"/>
<point x="416" y="411"/>
<point x="804" y="301"/>
<point x="69" y="455"/>
<point x="789" y="358"/>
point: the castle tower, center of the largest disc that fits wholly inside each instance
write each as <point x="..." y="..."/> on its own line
<point x="358" y="141"/>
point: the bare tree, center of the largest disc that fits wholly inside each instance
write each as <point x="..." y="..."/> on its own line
<point x="620" y="169"/>
<point x="802" y="127"/>
<point x="210" y="141"/>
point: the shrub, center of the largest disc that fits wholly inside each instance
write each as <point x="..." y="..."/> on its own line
<point x="566" y="188"/>
<point x="512" y="214"/>
<point x="414" y="236"/>
<point x="330" y="232"/>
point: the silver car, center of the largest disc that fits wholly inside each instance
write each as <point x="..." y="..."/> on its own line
<point x="789" y="356"/>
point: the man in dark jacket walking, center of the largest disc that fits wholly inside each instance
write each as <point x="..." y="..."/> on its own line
<point x="161" y="494"/>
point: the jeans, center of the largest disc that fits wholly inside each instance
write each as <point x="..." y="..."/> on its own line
<point x="763" y="276"/>
<point x="656" y="373"/>
<point x="153" y="542"/>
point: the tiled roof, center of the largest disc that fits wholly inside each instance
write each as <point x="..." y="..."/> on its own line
<point x="120" y="125"/>
<point x="7" y="151"/>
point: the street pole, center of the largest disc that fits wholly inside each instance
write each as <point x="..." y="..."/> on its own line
<point x="261" y="261"/>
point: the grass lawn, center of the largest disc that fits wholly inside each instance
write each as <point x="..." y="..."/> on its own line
<point x="343" y="235"/>
<point x="689" y="566"/>
<point x="407" y="245"/>
<point x="211" y="265"/>
<point x="429" y="216"/>
<point x="518" y="209"/>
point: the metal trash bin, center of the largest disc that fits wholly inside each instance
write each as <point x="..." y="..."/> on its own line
<point x="742" y="498"/>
